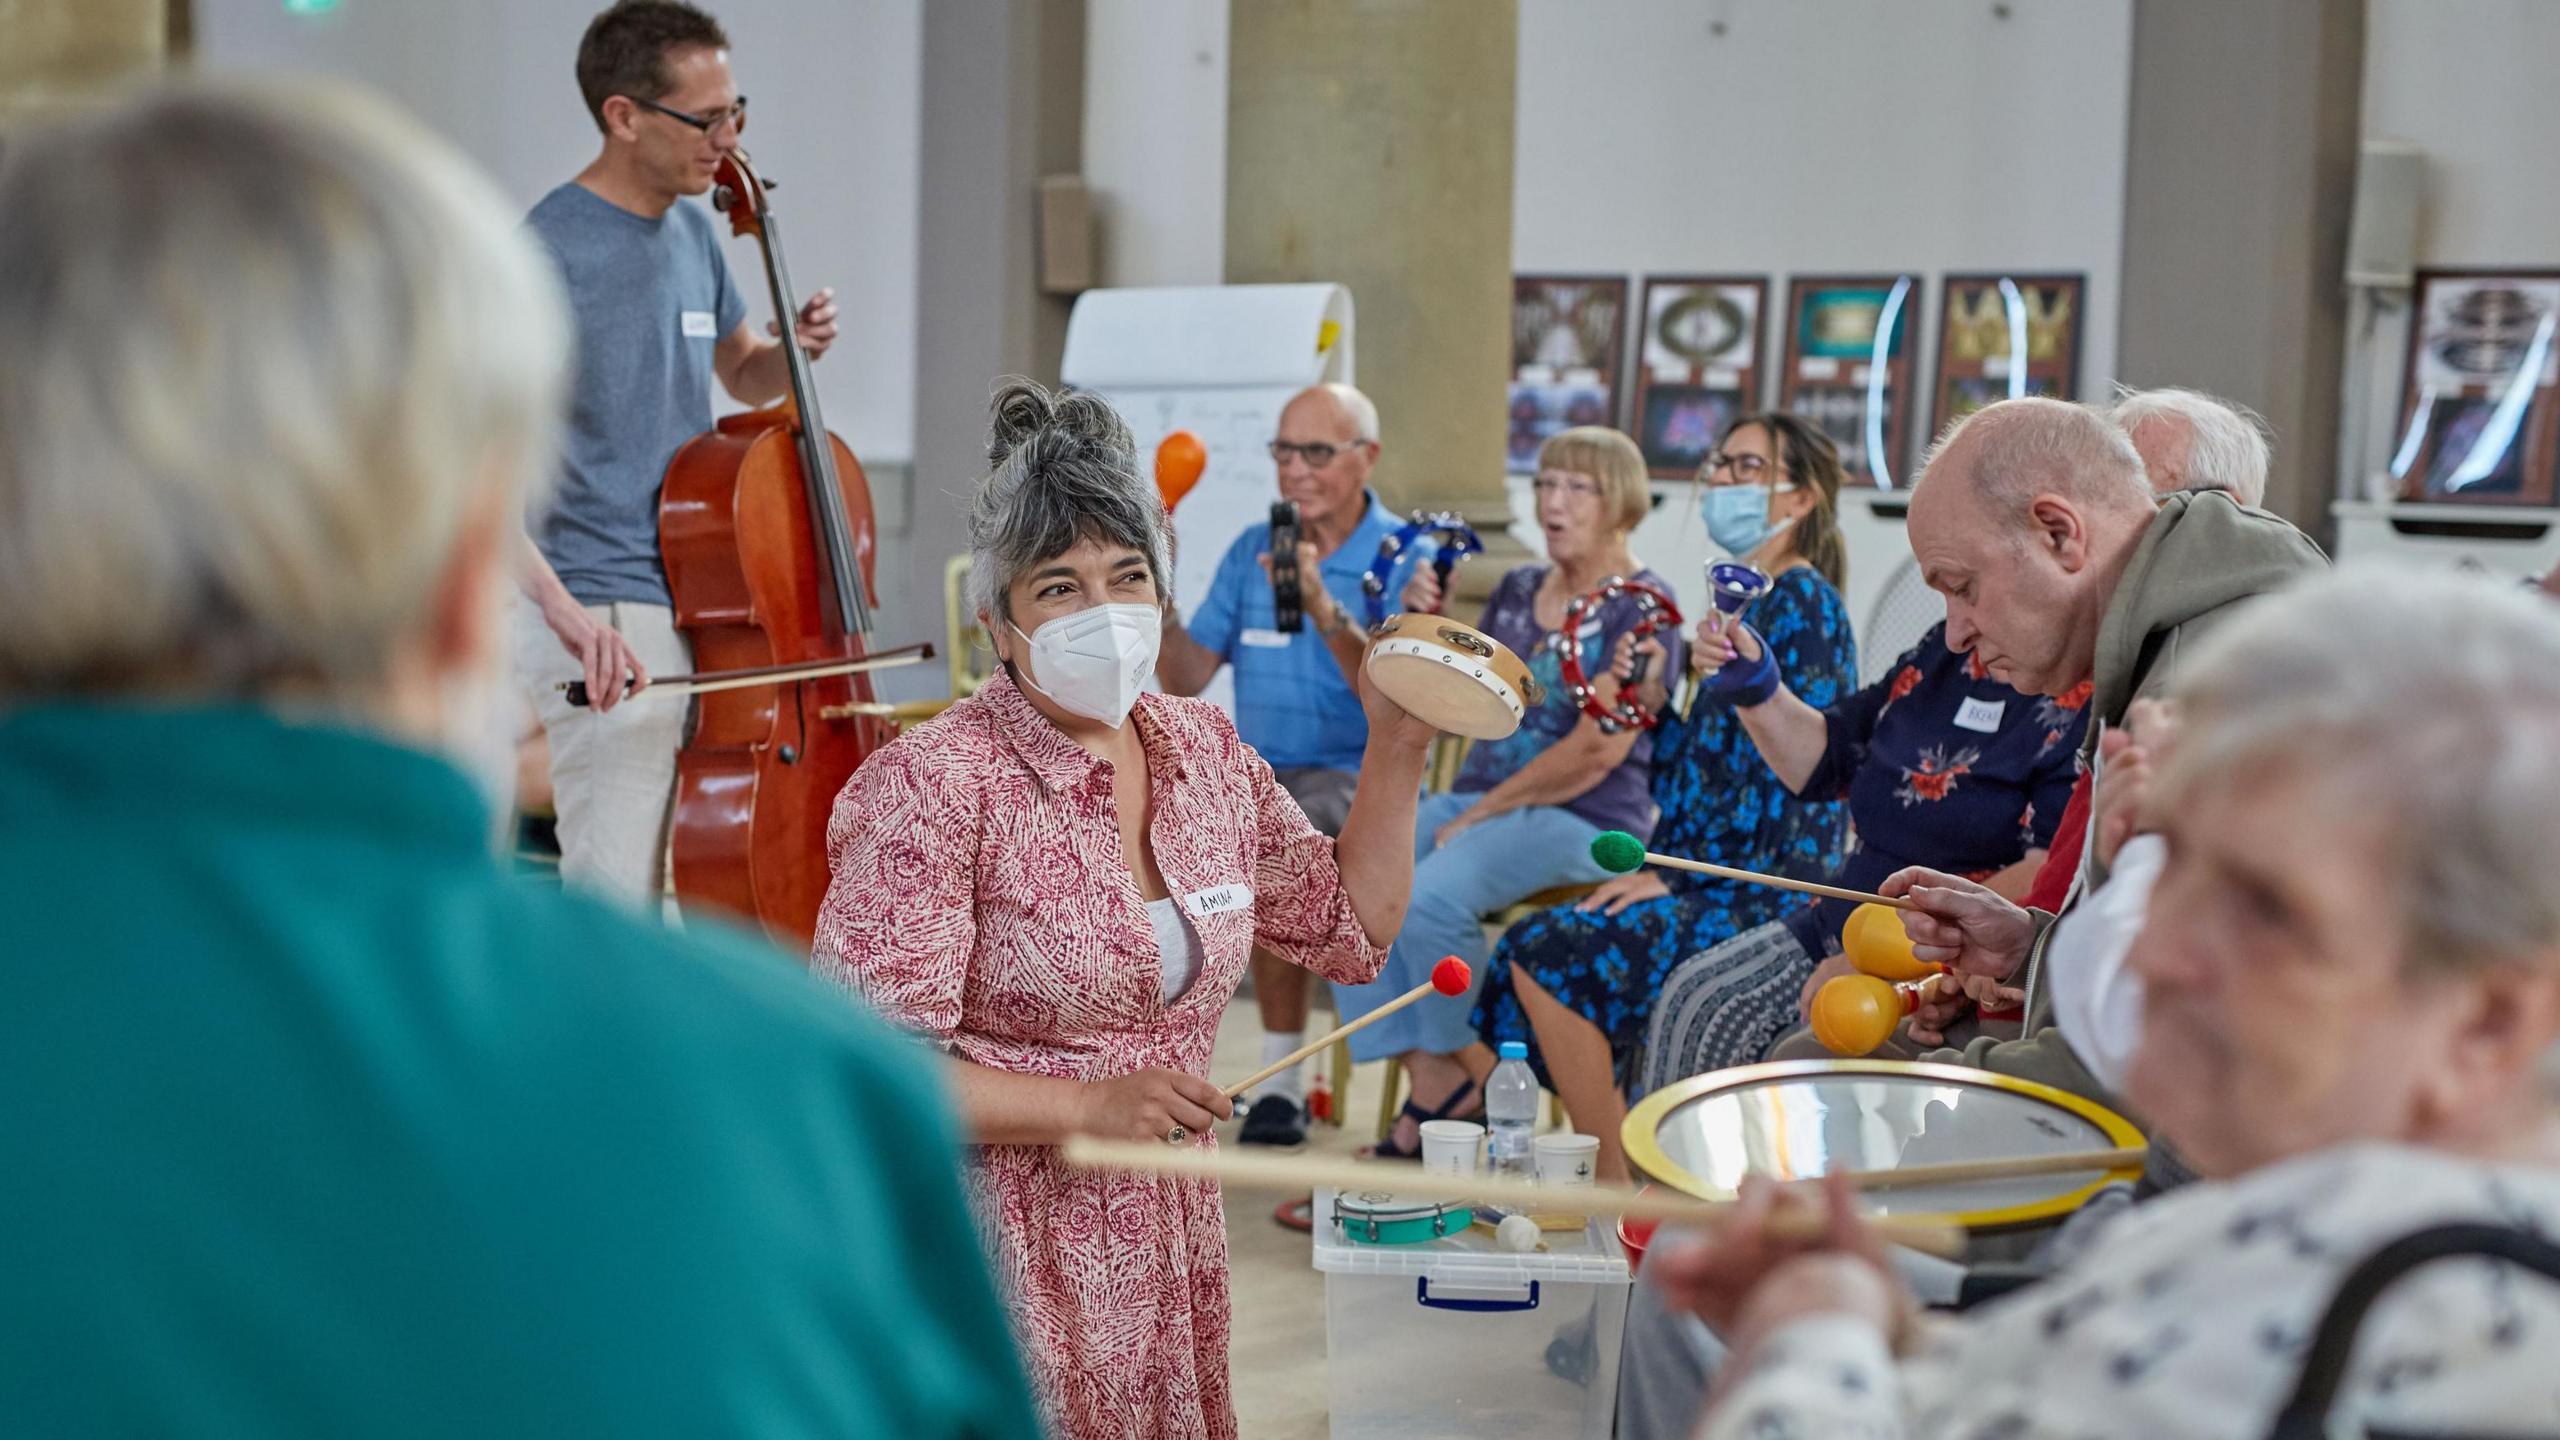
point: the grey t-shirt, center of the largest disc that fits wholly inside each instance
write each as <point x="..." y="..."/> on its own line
<point x="652" y="298"/>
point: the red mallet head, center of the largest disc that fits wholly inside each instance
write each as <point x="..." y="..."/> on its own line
<point x="1451" y="975"/>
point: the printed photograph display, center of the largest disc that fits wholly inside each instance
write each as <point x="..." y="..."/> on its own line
<point x="1986" y="321"/>
<point x="1698" y="366"/>
<point x="2480" y="395"/>
<point x="1848" y="368"/>
<point x="1568" y="333"/>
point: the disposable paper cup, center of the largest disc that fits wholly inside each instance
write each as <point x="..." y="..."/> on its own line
<point x="1452" y="1147"/>
<point x="1565" y="1159"/>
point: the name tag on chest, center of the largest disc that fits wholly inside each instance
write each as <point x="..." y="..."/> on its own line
<point x="1981" y="716"/>
<point x="1216" y="900"/>
<point x="1265" y="639"/>
<point x="698" y="325"/>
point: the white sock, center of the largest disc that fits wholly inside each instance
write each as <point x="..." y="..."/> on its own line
<point x="1287" y="1083"/>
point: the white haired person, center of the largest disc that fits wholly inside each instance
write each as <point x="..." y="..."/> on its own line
<point x="2189" y="440"/>
<point x="2352" y="962"/>
<point x="314" y="1122"/>
<point x="1060" y="881"/>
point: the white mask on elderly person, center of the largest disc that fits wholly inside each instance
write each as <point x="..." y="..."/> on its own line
<point x="1095" y="662"/>
<point x="2097" y="999"/>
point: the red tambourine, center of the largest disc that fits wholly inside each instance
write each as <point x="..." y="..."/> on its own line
<point x="1660" y="612"/>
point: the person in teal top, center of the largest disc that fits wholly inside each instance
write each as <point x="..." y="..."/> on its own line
<point x="312" y="1122"/>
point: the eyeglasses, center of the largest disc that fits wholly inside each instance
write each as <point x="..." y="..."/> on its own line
<point x="1747" y="469"/>
<point x="735" y="115"/>
<point x="1317" y="454"/>
<point x="1579" y="486"/>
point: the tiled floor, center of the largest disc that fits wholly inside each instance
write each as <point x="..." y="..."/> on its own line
<point x="1278" y="1349"/>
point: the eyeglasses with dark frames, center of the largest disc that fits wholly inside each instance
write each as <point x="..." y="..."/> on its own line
<point x="735" y="115"/>
<point x="1318" y="454"/>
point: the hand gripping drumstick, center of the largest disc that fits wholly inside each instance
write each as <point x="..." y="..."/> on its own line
<point x="1618" y="852"/>
<point x="1300" y="1173"/>
<point x="1449" y="977"/>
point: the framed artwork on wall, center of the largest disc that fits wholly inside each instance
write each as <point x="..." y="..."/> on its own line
<point x="2480" y="394"/>
<point x="2001" y="337"/>
<point x="1698" y="365"/>
<point x="1848" y="367"/>
<point x="1568" y="334"/>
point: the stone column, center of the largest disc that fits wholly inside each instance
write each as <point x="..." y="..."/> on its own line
<point x="53" y="52"/>
<point x="1370" y="144"/>
<point x="2239" y="182"/>
<point x="1003" y="105"/>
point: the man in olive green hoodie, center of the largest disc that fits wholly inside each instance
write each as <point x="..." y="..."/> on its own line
<point x="2036" y="523"/>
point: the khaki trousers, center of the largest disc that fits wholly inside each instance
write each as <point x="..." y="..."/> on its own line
<point x="613" y="775"/>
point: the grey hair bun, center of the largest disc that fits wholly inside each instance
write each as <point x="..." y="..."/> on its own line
<point x="1068" y="425"/>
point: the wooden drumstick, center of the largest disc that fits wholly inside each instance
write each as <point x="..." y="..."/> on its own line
<point x="2016" y="1167"/>
<point x="1618" y="852"/>
<point x="1299" y="1173"/>
<point x="1449" y="977"/>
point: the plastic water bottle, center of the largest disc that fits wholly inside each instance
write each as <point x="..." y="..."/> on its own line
<point x="1511" y="1110"/>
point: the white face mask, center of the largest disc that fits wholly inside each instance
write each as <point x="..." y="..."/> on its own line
<point x="1096" y="661"/>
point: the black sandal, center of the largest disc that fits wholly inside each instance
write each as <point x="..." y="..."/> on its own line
<point x="1387" y="1149"/>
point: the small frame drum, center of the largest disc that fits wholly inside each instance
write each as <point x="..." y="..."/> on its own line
<point x="1792" y="1120"/>
<point x="1456" y="541"/>
<point x="1660" y="612"/>
<point x="1452" y="677"/>
<point x="1377" y="1217"/>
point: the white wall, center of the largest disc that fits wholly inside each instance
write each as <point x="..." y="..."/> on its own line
<point x="836" y="96"/>
<point x="1155" y="139"/>
<point x="1854" y="135"/>
<point x="2470" y="83"/>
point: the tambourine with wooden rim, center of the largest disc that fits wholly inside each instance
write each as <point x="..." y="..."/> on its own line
<point x="1452" y="677"/>
<point x="1658" y="611"/>
<point x="1456" y="540"/>
<point x="1798" y="1119"/>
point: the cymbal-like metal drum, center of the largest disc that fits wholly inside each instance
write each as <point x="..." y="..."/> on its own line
<point x="1804" y="1118"/>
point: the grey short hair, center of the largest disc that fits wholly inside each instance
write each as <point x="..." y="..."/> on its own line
<point x="2433" y="698"/>
<point x="2229" y="446"/>
<point x="2020" y="449"/>
<point x="265" y="350"/>
<point x="1066" y="471"/>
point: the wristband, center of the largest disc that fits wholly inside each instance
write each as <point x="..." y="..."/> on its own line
<point x="1747" y="683"/>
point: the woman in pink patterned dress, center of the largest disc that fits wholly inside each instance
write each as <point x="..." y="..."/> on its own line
<point x="1060" y="881"/>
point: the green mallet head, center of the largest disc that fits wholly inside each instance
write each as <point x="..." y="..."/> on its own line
<point x="1616" y="851"/>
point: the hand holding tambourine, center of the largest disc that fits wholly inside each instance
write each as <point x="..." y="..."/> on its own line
<point x="1639" y="663"/>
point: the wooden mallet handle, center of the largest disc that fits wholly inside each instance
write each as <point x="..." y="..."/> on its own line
<point x="1619" y="852"/>
<point x="1449" y="977"/>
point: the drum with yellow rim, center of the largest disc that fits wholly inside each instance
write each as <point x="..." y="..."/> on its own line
<point x="1452" y="677"/>
<point x="1797" y="1119"/>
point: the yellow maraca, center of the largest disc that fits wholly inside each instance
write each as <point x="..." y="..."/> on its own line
<point x="1854" y="1014"/>
<point x="1876" y="943"/>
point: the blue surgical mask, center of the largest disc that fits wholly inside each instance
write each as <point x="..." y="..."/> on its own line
<point x="1737" y="517"/>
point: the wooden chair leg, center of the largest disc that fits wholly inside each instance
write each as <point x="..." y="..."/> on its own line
<point x="1390" y="1092"/>
<point x="1338" y="1062"/>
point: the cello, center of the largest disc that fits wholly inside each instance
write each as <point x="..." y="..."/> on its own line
<point x="766" y="528"/>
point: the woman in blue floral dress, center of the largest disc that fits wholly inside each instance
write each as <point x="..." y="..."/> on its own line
<point x="1582" y="977"/>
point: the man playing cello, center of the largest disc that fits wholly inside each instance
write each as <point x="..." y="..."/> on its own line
<point x="657" y="319"/>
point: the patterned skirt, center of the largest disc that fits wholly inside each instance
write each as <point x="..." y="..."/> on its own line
<point x="1609" y="968"/>
<point x="1724" y="1006"/>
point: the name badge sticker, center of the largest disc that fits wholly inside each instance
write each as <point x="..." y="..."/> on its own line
<point x="1216" y="900"/>
<point x="1265" y="639"/>
<point x="1982" y="716"/>
<point x="698" y="325"/>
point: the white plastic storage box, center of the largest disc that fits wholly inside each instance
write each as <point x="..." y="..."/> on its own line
<point x="1455" y="1337"/>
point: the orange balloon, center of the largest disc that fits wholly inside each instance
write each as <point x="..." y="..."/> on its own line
<point x="1180" y="457"/>
<point x="1876" y="942"/>
<point x="1854" y="1014"/>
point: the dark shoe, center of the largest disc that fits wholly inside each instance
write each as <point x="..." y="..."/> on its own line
<point x="1453" y="1108"/>
<point x="1273" y="1120"/>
